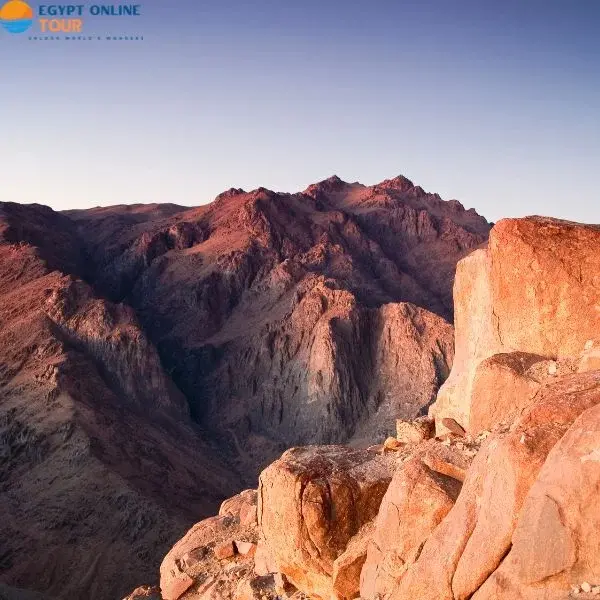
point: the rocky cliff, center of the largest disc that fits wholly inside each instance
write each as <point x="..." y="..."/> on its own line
<point x="154" y="358"/>
<point x="493" y="496"/>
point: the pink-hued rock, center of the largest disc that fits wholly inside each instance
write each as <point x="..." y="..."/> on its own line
<point x="239" y="503"/>
<point x="248" y="515"/>
<point x="245" y="548"/>
<point x="348" y="566"/>
<point x="264" y="563"/>
<point x="414" y="432"/>
<point x="557" y="538"/>
<point x="416" y="501"/>
<point x="177" y="584"/>
<point x="534" y="291"/>
<point x="224" y="550"/>
<point x="312" y="501"/>
<point x="473" y="539"/>
<point x="501" y="388"/>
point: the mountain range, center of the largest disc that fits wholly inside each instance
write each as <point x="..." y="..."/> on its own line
<point x="155" y="358"/>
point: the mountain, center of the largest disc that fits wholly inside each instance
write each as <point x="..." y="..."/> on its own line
<point x="491" y="496"/>
<point x="154" y="358"/>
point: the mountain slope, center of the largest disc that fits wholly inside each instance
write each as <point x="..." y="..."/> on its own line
<point x="91" y="427"/>
<point x="268" y="309"/>
<point x="154" y="358"/>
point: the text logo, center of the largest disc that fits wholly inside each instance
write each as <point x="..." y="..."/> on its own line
<point x="16" y="16"/>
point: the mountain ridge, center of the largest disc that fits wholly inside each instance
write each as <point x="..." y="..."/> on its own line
<point x="151" y="344"/>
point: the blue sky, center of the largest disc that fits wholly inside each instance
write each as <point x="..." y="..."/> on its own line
<point x="493" y="103"/>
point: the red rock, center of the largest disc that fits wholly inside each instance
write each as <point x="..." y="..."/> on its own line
<point x="416" y="501"/>
<point x="505" y="375"/>
<point x="243" y="501"/>
<point x="453" y="427"/>
<point x="534" y="291"/>
<point x="224" y="550"/>
<point x="555" y="542"/>
<point x="348" y="566"/>
<point x="248" y="516"/>
<point x="264" y="563"/>
<point x="176" y="585"/>
<point x="474" y="538"/>
<point x="391" y="444"/>
<point x="312" y="501"/>
<point x="414" y="432"/>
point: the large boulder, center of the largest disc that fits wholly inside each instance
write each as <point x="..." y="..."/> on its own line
<point x="416" y="501"/>
<point x="347" y="567"/>
<point x="312" y="502"/>
<point x="556" y="544"/>
<point x="474" y="538"/>
<point x="534" y="290"/>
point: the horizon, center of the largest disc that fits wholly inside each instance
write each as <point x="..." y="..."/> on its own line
<point x="494" y="106"/>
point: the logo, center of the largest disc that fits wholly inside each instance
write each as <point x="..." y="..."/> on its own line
<point x="16" y="16"/>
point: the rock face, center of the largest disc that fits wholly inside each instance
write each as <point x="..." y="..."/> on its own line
<point x="561" y="514"/>
<point x="290" y="319"/>
<point x="473" y="539"/>
<point x="534" y="290"/>
<point x="416" y="501"/>
<point x="312" y="502"/>
<point x="94" y="435"/>
<point x="154" y="358"/>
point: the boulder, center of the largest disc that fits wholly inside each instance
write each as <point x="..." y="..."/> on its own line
<point x="416" y="501"/>
<point x="452" y="462"/>
<point x="224" y="550"/>
<point x="177" y="584"/>
<point x="501" y="388"/>
<point x="414" y="432"/>
<point x="391" y="444"/>
<point x="590" y="358"/>
<point x="238" y="504"/>
<point x="264" y="563"/>
<point x="245" y="548"/>
<point x="533" y="290"/>
<point x="475" y="536"/>
<point x="189" y="555"/>
<point x="312" y="501"/>
<point x="556" y="541"/>
<point x="348" y="566"/>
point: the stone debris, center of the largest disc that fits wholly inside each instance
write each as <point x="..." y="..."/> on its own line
<point x="414" y="432"/>
<point x="453" y="426"/>
<point x="224" y="550"/>
<point x="391" y="444"/>
<point x="245" y="548"/>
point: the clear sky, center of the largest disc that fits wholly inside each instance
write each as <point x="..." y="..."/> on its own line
<point x="496" y="103"/>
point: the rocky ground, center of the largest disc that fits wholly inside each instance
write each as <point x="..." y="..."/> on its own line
<point x="494" y="495"/>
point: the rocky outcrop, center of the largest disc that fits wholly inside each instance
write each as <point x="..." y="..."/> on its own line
<point x="534" y="292"/>
<point x="416" y="501"/>
<point x="312" y="502"/>
<point x="472" y="541"/>
<point x="561" y="515"/>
